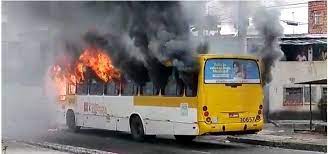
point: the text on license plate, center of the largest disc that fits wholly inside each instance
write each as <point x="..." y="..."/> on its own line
<point x="247" y="119"/>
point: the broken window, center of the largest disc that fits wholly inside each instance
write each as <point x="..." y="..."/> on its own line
<point x="96" y="87"/>
<point x="191" y="89"/>
<point x="129" y="88"/>
<point x="148" y="89"/>
<point x="82" y="89"/>
<point x="112" y="89"/>
<point x="174" y="86"/>
<point x="293" y="96"/>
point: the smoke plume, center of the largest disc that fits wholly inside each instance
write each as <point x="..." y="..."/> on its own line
<point x="267" y="24"/>
<point x="160" y="35"/>
<point x="147" y="42"/>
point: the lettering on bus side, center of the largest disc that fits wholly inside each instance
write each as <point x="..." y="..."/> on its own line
<point x="94" y="108"/>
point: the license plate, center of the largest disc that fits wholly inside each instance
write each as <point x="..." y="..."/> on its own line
<point x="247" y="119"/>
<point x="233" y="115"/>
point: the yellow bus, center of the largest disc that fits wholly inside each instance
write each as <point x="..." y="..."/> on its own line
<point x="226" y="97"/>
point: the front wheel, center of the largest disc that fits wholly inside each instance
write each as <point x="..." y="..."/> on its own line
<point x="184" y="138"/>
<point x="137" y="130"/>
<point x="70" y="121"/>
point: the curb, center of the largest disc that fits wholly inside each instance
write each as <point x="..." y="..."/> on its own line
<point x="286" y="145"/>
<point x="66" y="148"/>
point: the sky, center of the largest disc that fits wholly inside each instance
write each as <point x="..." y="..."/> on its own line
<point x="291" y="10"/>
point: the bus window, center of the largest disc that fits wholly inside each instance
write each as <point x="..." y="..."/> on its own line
<point x="71" y="89"/>
<point x="231" y="71"/>
<point x="148" y="89"/>
<point x="174" y="86"/>
<point x="82" y="89"/>
<point x="96" y="88"/>
<point x="129" y="89"/>
<point x="112" y="89"/>
<point x="191" y="89"/>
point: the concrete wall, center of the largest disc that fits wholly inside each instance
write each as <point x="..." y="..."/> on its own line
<point x="285" y="74"/>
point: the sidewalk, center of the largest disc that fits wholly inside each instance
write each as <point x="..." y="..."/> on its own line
<point x="317" y="125"/>
<point x="12" y="147"/>
<point x="283" y="137"/>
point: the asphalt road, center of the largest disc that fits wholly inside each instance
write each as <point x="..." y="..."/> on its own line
<point x="122" y="143"/>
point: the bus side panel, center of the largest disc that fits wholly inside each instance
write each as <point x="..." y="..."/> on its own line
<point x="78" y="110"/>
<point x="168" y="115"/>
<point x="120" y="108"/>
<point x="156" y="119"/>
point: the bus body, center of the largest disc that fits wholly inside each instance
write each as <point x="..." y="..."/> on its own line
<point x="227" y="99"/>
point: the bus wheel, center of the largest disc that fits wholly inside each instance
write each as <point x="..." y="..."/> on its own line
<point x="184" y="138"/>
<point x="70" y="121"/>
<point x="136" y="128"/>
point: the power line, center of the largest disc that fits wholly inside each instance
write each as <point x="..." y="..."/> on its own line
<point x="287" y="5"/>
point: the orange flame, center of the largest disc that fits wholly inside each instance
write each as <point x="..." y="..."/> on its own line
<point x="99" y="62"/>
<point x="91" y="57"/>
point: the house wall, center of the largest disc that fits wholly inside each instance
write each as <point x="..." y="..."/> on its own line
<point x="286" y="74"/>
<point x="319" y="8"/>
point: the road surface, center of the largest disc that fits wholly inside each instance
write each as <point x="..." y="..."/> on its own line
<point x="122" y="143"/>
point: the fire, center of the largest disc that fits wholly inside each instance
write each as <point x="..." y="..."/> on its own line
<point x="94" y="58"/>
<point x="59" y="79"/>
<point x="99" y="62"/>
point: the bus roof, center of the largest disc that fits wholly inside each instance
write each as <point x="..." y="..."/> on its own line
<point x="242" y="56"/>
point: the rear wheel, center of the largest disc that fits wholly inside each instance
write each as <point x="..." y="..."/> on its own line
<point x="136" y="128"/>
<point x="253" y="131"/>
<point x="70" y="121"/>
<point x="184" y="138"/>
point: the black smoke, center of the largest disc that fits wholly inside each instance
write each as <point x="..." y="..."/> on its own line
<point x="268" y="25"/>
<point x="160" y="35"/>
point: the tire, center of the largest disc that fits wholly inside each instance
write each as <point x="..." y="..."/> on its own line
<point x="70" y="121"/>
<point x="184" y="138"/>
<point x="137" y="130"/>
<point x="253" y="131"/>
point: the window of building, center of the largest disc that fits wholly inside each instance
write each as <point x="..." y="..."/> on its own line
<point x="293" y="96"/>
<point x="96" y="87"/>
<point x="317" y="18"/>
<point x="307" y="94"/>
<point x="82" y="89"/>
<point x="112" y="89"/>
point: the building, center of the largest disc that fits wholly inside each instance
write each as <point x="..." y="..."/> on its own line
<point x="288" y="100"/>
<point x="317" y="16"/>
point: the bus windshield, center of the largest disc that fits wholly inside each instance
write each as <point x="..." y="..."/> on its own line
<point x="231" y="71"/>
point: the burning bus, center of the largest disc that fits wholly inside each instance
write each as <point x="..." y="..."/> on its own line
<point x="222" y="95"/>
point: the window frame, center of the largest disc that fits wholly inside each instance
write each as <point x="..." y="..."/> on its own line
<point x="316" y="18"/>
<point x="284" y="95"/>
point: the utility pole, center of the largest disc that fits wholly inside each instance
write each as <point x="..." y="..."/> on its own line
<point x="293" y="20"/>
<point x="242" y="26"/>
